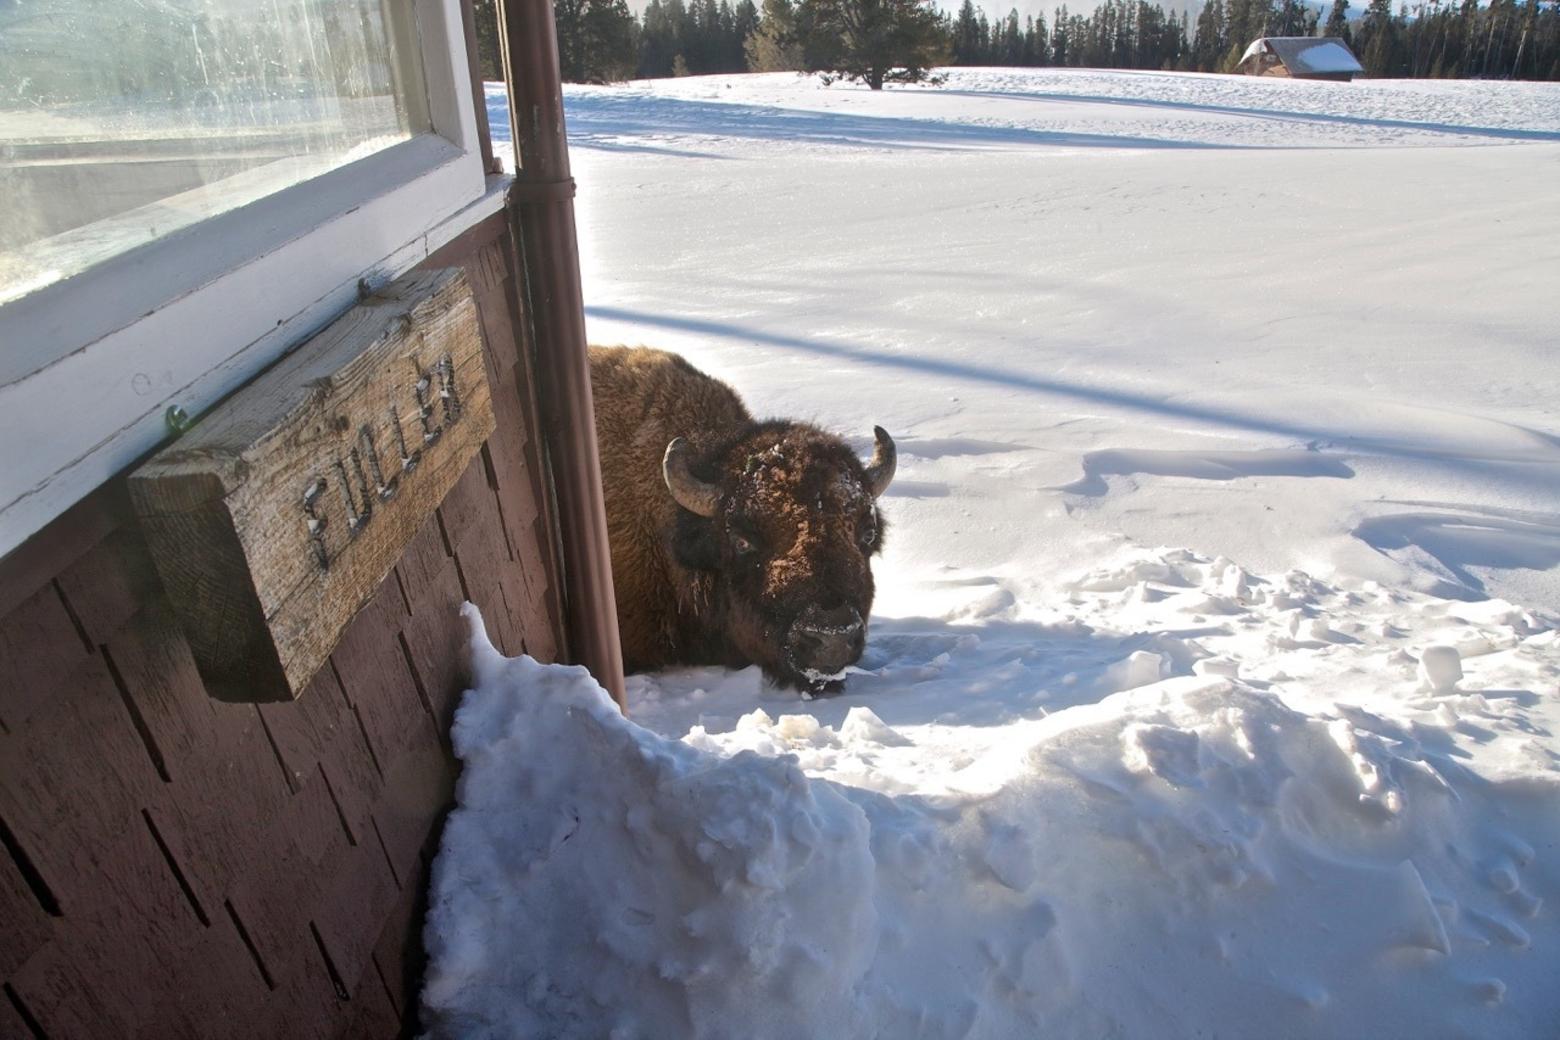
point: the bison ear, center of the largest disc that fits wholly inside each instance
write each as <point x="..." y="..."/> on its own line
<point x="694" y="542"/>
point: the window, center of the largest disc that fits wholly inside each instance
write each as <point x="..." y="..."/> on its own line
<point x="198" y="108"/>
<point x="193" y="186"/>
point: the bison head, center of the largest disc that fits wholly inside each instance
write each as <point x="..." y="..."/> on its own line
<point x="781" y="523"/>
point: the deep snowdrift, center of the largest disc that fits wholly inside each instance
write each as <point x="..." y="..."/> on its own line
<point x="1166" y="857"/>
<point x="1300" y="778"/>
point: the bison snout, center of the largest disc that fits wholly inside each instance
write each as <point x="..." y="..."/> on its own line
<point x="826" y="641"/>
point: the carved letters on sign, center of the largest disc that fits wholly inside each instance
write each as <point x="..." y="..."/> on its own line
<point x="273" y="521"/>
<point x="357" y="473"/>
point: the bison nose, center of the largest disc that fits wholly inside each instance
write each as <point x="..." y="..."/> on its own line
<point x="827" y="640"/>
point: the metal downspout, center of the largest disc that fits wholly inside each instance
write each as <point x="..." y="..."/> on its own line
<point x="542" y="213"/>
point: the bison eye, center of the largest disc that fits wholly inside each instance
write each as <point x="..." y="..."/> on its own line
<point x="866" y="532"/>
<point x="742" y="545"/>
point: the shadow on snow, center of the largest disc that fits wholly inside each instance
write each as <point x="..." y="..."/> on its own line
<point x="597" y="121"/>
<point x="1541" y="466"/>
<point x="1279" y="115"/>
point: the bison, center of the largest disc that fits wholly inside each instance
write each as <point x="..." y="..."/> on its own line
<point x="734" y="542"/>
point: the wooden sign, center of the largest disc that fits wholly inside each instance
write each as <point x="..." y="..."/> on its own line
<point x="273" y="521"/>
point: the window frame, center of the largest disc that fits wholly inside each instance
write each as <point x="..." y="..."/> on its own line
<point x="91" y="365"/>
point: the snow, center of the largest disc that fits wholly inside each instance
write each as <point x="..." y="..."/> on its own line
<point x="1214" y="675"/>
<point x="1330" y="57"/>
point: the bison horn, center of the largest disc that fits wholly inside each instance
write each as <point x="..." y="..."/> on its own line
<point x="880" y="471"/>
<point x="690" y="492"/>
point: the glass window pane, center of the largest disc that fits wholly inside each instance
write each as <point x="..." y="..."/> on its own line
<point x="122" y="121"/>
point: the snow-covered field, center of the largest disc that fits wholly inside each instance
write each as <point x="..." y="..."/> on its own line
<point x="1214" y="679"/>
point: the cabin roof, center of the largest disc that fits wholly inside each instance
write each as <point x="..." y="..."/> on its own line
<point x="1307" y="54"/>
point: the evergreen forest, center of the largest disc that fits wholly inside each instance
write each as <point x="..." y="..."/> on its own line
<point x="882" y="41"/>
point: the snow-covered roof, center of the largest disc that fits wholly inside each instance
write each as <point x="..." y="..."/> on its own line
<point x="1303" y="54"/>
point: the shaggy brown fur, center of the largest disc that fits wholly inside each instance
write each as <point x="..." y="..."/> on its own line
<point x="792" y="535"/>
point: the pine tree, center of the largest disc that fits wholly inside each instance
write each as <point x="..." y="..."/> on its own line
<point x="1059" y="37"/>
<point x="1438" y="38"/>
<point x="1377" y="38"/>
<point x="773" y="46"/>
<point x="966" y="42"/>
<point x="485" y="20"/>
<point x="596" y="40"/>
<point x="873" y="41"/>
<point x="1011" y="45"/>
<point x="743" y="25"/>
<point x="610" y="41"/>
<point x="1338" y="21"/>
<point x="659" y="41"/>
<point x="1037" y="42"/>
<point x="1212" y="37"/>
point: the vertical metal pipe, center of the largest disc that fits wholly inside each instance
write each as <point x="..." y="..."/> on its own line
<point x="542" y="208"/>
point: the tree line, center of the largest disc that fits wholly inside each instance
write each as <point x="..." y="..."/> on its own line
<point x="884" y="41"/>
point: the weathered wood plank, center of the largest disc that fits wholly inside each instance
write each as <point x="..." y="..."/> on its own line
<point x="419" y="786"/>
<point x="274" y="903"/>
<point x="41" y="558"/>
<point x="373" y="1016"/>
<point x="399" y="953"/>
<point x="541" y="619"/>
<point x="123" y="934"/>
<point x="360" y="889"/>
<point x="213" y="989"/>
<point x="108" y="585"/>
<point x="224" y="784"/>
<point x="485" y="563"/>
<point x="27" y="926"/>
<point x="507" y="448"/>
<point x="469" y="498"/>
<point x="276" y="518"/>
<point x="38" y="644"/>
<point x="375" y="675"/>
<point x="488" y="272"/>
<point x="436" y="639"/>
<point x="65" y="1004"/>
<point x="423" y="561"/>
<point x="216" y="817"/>
<point x="321" y="730"/>
<point x="76" y="777"/>
<point x="155" y="666"/>
<point x="305" y="1004"/>
<point x="12" y="1025"/>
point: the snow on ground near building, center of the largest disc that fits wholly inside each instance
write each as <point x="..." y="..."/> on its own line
<point x="1297" y="776"/>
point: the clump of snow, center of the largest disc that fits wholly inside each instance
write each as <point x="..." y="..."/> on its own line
<point x="1441" y="668"/>
<point x="1130" y="853"/>
<point x="1328" y="56"/>
<point x="599" y="880"/>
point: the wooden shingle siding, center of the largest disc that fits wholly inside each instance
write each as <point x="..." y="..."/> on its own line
<point x="175" y="866"/>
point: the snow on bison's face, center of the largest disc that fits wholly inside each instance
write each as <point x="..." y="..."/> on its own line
<point x="783" y="521"/>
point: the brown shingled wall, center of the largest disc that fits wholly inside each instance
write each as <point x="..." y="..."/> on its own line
<point x="174" y="866"/>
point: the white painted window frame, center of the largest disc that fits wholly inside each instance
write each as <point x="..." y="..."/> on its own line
<point x="90" y="366"/>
